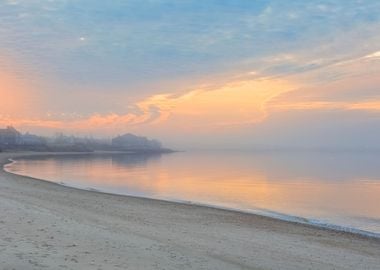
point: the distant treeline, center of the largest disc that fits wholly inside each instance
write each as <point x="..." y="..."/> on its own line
<point x="13" y="140"/>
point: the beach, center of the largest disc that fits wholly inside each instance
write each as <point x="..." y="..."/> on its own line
<point x="50" y="226"/>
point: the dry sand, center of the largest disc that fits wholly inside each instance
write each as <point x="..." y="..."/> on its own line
<point x="47" y="226"/>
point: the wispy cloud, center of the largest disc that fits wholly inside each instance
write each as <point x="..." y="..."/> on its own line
<point x="244" y="100"/>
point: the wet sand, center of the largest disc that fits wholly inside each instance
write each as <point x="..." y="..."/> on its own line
<point x="47" y="226"/>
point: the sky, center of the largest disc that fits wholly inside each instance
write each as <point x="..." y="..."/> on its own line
<point x="211" y="73"/>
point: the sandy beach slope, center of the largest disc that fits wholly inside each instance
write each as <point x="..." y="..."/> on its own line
<point x="48" y="226"/>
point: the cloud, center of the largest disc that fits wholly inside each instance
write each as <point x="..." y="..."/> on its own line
<point x="235" y="104"/>
<point x="375" y="55"/>
<point x="127" y="43"/>
<point x="220" y="106"/>
<point x="185" y="66"/>
<point x="326" y="106"/>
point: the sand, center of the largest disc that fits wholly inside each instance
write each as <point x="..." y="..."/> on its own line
<point x="47" y="226"/>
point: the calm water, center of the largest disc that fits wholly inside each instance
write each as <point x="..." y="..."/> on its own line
<point x="334" y="188"/>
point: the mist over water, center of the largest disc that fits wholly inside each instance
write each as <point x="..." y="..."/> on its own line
<point x="341" y="188"/>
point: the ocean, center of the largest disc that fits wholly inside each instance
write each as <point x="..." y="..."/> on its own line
<point x="336" y="189"/>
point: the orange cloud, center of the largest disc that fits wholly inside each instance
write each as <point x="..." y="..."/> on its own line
<point x="320" y="105"/>
<point x="204" y="109"/>
<point x="348" y="85"/>
<point x="234" y="103"/>
<point x="368" y="106"/>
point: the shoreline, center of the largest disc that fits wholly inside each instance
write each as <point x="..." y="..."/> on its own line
<point x="240" y="225"/>
<point x="264" y="213"/>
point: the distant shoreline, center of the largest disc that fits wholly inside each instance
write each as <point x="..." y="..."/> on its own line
<point x="150" y="233"/>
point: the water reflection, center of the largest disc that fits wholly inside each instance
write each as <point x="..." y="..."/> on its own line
<point x="134" y="160"/>
<point x="341" y="188"/>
